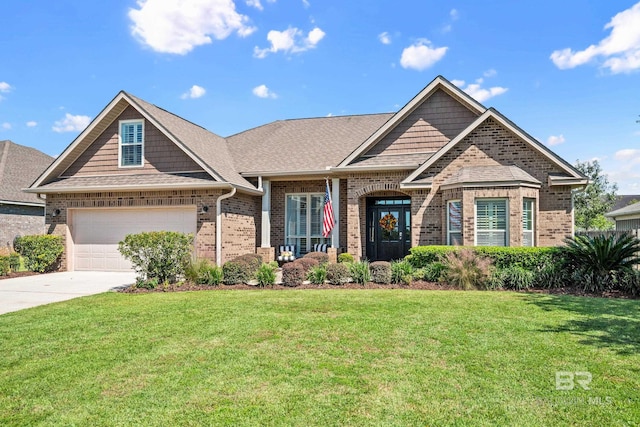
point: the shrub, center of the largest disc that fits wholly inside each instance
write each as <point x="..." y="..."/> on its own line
<point x="337" y="274"/>
<point x="4" y="266"/>
<point x="317" y="275"/>
<point x="530" y="258"/>
<point x="553" y="274"/>
<point x="629" y="282"/>
<point x="515" y="277"/>
<point x="14" y="261"/>
<point x="466" y="270"/>
<point x="202" y="272"/>
<point x="598" y="261"/>
<point x="241" y="269"/>
<point x="307" y="263"/>
<point x="41" y="252"/>
<point x="432" y="272"/>
<point x="380" y="272"/>
<point x="147" y="283"/>
<point x="321" y="257"/>
<point x="158" y="254"/>
<point x="292" y="273"/>
<point x="266" y="275"/>
<point x="421" y="256"/>
<point x="401" y="272"/>
<point x="345" y="257"/>
<point x="360" y="272"/>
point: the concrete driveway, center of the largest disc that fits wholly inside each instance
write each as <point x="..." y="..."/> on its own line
<point x="31" y="291"/>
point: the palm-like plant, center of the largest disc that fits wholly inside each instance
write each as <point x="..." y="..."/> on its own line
<point x="598" y="261"/>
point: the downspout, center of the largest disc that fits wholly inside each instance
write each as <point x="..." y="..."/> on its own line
<point x="219" y="225"/>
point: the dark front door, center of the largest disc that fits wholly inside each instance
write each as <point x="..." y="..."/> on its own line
<point x="388" y="228"/>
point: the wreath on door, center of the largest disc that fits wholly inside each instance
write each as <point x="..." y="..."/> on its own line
<point x="388" y="222"/>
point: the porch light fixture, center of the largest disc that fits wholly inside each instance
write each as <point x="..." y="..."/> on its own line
<point x="55" y="213"/>
<point x="204" y="209"/>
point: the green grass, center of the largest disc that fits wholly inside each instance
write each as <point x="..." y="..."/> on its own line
<point x="386" y="357"/>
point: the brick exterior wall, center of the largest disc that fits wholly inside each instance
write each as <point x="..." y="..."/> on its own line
<point x="19" y="220"/>
<point x="491" y="144"/>
<point x="206" y="222"/>
<point x="240" y="214"/>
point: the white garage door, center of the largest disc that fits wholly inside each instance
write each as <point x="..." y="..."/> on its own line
<point x="96" y="232"/>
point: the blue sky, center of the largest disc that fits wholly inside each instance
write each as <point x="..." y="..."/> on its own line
<point x="567" y="72"/>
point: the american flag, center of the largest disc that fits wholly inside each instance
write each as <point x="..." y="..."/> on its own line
<point x="327" y="217"/>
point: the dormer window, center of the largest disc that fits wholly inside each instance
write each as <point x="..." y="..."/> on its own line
<point x="131" y="143"/>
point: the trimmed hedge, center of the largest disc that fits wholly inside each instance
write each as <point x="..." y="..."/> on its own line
<point x="338" y="274"/>
<point x="345" y="257"/>
<point x="307" y="263"/>
<point x="9" y="263"/>
<point x="293" y="273"/>
<point x="4" y="266"/>
<point x="241" y="269"/>
<point x="380" y="272"/>
<point x="41" y="252"/>
<point x="529" y="258"/>
<point x="321" y="257"/>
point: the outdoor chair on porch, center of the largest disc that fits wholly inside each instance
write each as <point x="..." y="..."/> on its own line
<point x="320" y="247"/>
<point x="286" y="253"/>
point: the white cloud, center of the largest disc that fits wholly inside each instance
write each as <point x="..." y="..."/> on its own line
<point x="291" y="40"/>
<point x="490" y="73"/>
<point x="71" y="123"/>
<point x="384" y="38"/>
<point x="5" y="87"/>
<point x="6" y="126"/>
<point x="620" y="50"/>
<point x="421" y="55"/>
<point x="454" y="15"/>
<point x="179" y="26"/>
<point x="555" y="140"/>
<point x="193" y="93"/>
<point x="32" y="124"/>
<point x="479" y="93"/>
<point x="628" y="154"/>
<point x="255" y="3"/>
<point x="263" y="91"/>
<point x="306" y="3"/>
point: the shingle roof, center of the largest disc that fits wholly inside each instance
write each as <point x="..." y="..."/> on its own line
<point x="301" y="144"/>
<point x="184" y="180"/>
<point x="19" y="167"/>
<point x="625" y="200"/>
<point x="410" y="160"/>
<point x="488" y="174"/>
<point x="207" y="146"/>
<point x="627" y="210"/>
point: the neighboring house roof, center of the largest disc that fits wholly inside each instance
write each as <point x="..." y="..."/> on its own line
<point x="625" y="200"/>
<point x="633" y="209"/>
<point x="19" y="167"/>
<point x="301" y="145"/>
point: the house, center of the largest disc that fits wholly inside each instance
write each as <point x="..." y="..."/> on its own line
<point x="627" y="218"/>
<point x="20" y="213"/>
<point x="442" y="170"/>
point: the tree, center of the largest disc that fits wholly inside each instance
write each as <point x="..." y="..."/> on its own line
<point x="595" y="200"/>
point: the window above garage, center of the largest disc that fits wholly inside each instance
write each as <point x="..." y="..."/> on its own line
<point x="131" y="143"/>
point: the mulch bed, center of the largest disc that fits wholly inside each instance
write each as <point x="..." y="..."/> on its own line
<point x="13" y="275"/>
<point x="417" y="285"/>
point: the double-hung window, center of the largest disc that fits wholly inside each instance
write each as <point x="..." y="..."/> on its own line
<point x="131" y="143"/>
<point x="454" y="222"/>
<point x="528" y="222"/>
<point x="491" y="222"/>
<point x="303" y="222"/>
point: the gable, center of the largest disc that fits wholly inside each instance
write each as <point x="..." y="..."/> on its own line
<point x="428" y="128"/>
<point x="490" y="144"/>
<point x="160" y="154"/>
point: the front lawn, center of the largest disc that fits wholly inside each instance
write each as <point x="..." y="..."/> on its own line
<point x="337" y="357"/>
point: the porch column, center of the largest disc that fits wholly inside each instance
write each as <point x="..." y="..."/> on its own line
<point x="335" y="199"/>
<point x="265" y="240"/>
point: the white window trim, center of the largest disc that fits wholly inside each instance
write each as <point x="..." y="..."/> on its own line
<point x="475" y="218"/>
<point x="533" y="220"/>
<point x="120" y="123"/>
<point x="307" y="236"/>
<point x="448" y="220"/>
